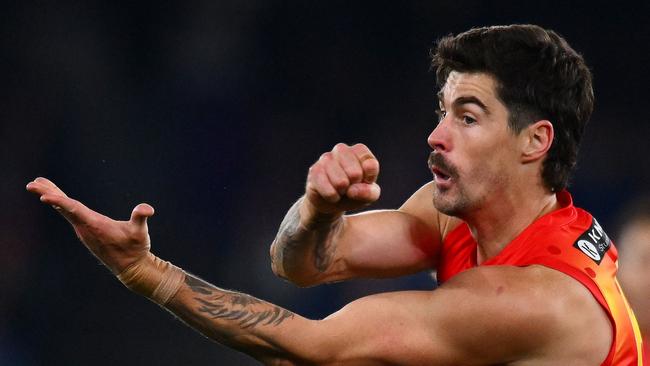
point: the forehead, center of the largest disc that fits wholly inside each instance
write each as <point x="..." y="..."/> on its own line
<point x="464" y="84"/>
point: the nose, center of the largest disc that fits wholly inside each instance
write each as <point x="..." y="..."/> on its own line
<point x="439" y="137"/>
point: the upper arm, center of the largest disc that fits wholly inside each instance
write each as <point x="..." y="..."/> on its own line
<point x="463" y="322"/>
<point x="388" y="243"/>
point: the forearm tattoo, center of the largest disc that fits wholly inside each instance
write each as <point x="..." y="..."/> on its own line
<point x="292" y="237"/>
<point x="246" y="310"/>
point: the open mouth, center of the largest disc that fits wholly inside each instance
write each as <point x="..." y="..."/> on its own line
<point x="439" y="174"/>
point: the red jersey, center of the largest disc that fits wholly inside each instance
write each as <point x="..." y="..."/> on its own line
<point x="571" y="241"/>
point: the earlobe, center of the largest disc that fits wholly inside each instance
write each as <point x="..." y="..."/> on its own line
<point x="538" y="138"/>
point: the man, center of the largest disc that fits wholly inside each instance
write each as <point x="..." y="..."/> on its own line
<point x="527" y="279"/>
<point x="634" y="240"/>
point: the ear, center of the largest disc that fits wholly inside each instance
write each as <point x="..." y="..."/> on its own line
<point x="536" y="140"/>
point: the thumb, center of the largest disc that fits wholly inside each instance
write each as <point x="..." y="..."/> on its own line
<point x="364" y="192"/>
<point x="140" y="214"/>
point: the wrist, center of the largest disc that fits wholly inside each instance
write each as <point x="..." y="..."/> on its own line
<point x="310" y="216"/>
<point x="152" y="277"/>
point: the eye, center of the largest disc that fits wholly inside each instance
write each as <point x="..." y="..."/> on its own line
<point x="441" y="114"/>
<point x="468" y="120"/>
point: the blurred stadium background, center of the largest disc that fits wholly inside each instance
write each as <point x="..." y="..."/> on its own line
<point x="212" y="111"/>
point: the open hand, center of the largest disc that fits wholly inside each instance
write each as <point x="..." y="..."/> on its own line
<point x="116" y="243"/>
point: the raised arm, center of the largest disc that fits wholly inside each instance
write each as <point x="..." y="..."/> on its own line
<point x="318" y="243"/>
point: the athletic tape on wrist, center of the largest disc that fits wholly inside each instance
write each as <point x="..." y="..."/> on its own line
<point x="154" y="278"/>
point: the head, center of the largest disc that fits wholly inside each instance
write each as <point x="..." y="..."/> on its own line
<point x="515" y="101"/>
<point x="634" y="258"/>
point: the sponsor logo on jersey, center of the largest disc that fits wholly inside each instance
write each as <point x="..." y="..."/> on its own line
<point x="594" y="242"/>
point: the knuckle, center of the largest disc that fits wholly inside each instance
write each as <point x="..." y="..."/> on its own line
<point x="371" y="164"/>
<point x="363" y="152"/>
<point x="361" y="146"/>
<point x="315" y="170"/>
<point x="326" y="156"/>
<point x="354" y="173"/>
<point x="340" y="183"/>
<point x="340" y="146"/>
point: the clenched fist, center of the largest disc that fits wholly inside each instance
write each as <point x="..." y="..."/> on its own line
<point x="343" y="179"/>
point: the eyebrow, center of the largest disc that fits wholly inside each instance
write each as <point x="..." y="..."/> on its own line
<point x="465" y="100"/>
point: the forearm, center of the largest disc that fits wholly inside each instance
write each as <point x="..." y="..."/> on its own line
<point x="304" y="249"/>
<point x="258" y="328"/>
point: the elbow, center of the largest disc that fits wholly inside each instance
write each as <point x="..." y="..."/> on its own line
<point x="276" y="261"/>
<point x="292" y="275"/>
<point x="297" y="279"/>
<point x="302" y="282"/>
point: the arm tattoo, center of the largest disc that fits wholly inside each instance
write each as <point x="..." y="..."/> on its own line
<point x="246" y="310"/>
<point x="291" y="237"/>
<point x="287" y="238"/>
<point x="325" y="246"/>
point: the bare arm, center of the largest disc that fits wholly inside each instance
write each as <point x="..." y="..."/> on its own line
<point x="318" y="243"/>
<point x="485" y="316"/>
<point x="263" y="330"/>
<point x="476" y="318"/>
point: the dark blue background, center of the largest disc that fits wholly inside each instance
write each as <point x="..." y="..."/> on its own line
<point x="212" y="111"/>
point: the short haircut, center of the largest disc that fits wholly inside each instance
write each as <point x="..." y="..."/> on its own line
<point x="539" y="76"/>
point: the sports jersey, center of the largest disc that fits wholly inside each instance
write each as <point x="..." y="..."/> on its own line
<point x="571" y="241"/>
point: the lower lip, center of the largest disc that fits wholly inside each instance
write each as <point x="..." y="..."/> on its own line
<point x="441" y="182"/>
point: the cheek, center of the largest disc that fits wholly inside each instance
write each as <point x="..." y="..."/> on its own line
<point x="486" y="162"/>
<point x="489" y="161"/>
<point x="481" y="177"/>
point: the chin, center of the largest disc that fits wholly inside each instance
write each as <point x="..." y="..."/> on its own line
<point x="449" y="204"/>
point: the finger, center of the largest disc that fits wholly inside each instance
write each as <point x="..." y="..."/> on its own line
<point x="49" y="184"/>
<point x="73" y="211"/>
<point x="370" y="170"/>
<point x="40" y="189"/>
<point x="337" y="177"/>
<point x="364" y="192"/>
<point x="369" y="163"/>
<point x="140" y="214"/>
<point x="36" y="188"/>
<point x="319" y="182"/>
<point x="349" y="162"/>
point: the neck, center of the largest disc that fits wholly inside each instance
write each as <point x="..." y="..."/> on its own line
<point x="503" y="217"/>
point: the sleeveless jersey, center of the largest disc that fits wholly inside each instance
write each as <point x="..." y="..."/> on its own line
<point x="571" y="241"/>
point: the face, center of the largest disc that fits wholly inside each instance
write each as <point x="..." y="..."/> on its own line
<point x="474" y="151"/>
<point x="633" y="266"/>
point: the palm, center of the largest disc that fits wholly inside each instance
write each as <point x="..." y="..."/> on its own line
<point x="116" y="243"/>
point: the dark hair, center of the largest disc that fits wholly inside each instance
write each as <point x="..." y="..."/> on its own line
<point x="539" y="76"/>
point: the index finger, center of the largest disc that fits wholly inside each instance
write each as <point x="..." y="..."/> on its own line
<point x="73" y="210"/>
<point x="369" y="164"/>
<point x="46" y="183"/>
